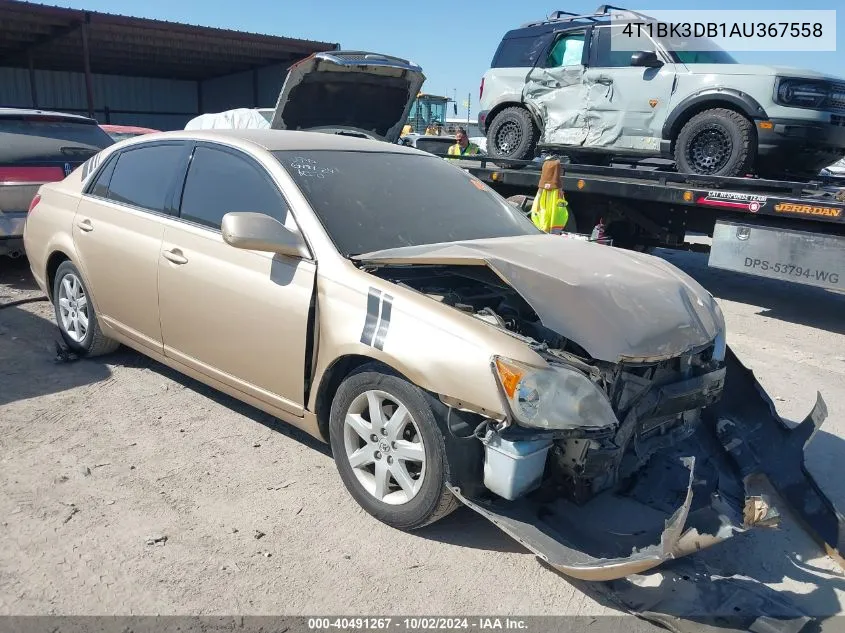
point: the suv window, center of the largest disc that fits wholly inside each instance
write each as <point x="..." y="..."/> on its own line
<point x="567" y="51"/>
<point x="607" y="49"/>
<point x="220" y="182"/>
<point x="38" y="138"/>
<point x="520" y="52"/>
<point x="143" y="175"/>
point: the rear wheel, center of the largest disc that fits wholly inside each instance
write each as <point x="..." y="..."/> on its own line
<point x="75" y="314"/>
<point x="717" y="142"/>
<point x="512" y="135"/>
<point x="389" y="450"/>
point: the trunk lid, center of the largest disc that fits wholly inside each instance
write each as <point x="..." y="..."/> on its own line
<point x="349" y="90"/>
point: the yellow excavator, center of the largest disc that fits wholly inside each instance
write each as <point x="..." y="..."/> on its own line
<point x="427" y="113"/>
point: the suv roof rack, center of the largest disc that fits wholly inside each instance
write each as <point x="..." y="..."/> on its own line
<point x="601" y="12"/>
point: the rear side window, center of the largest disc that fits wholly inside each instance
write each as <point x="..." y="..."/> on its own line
<point x="101" y="186"/>
<point x="520" y="52"/>
<point x="220" y="182"/>
<point x="34" y="139"/>
<point x="142" y="177"/>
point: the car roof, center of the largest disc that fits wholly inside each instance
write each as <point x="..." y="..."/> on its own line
<point x="273" y="140"/>
<point x="17" y="112"/>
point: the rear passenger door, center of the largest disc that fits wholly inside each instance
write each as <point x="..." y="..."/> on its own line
<point x="237" y="316"/>
<point x="555" y="89"/>
<point x="118" y="230"/>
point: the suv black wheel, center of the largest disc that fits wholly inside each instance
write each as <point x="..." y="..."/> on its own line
<point x="513" y="135"/>
<point x="717" y="142"/>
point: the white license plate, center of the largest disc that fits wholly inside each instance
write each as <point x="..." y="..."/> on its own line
<point x="798" y="256"/>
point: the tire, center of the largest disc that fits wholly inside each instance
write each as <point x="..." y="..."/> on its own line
<point x="512" y="135"/>
<point x="717" y="142"/>
<point x="84" y="340"/>
<point x="423" y="500"/>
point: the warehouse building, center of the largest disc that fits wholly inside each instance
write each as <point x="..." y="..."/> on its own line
<point x="134" y="71"/>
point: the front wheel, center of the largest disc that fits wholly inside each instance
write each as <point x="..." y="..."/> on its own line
<point x="716" y="142"/>
<point x="389" y="450"/>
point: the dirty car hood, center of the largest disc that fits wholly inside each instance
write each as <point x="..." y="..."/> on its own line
<point x="348" y="89"/>
<point x="615" y="304"/>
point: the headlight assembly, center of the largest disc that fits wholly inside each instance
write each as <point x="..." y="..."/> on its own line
<point x="801" y="93"/>
<point x="553" y="398"/>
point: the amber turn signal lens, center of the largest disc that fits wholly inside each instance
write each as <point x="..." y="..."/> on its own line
<point x="509" y="375"/>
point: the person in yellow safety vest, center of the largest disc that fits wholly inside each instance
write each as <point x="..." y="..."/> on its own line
<point x="550" y="211"/>
<point x="462" y="146"/>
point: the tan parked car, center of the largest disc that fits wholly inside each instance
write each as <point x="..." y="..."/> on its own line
<point x="385" y="301"/>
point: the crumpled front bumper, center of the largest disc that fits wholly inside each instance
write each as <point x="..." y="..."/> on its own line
<point x="686" y="499"/>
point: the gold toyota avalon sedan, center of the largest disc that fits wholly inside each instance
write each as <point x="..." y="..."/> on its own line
<point x="581" y="397"/>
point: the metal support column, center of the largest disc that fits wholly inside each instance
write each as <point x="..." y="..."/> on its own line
<point x="86" y="56"/>
<point x="33" y="92"/>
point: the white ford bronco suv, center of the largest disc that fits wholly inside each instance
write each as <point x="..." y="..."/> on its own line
<point x="566" y="85"/>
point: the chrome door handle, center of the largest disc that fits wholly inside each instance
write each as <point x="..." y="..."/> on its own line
<point x="85" y="225"/>
<point x="175" y="256"/>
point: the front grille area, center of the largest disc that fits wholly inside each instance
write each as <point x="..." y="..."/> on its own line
<point x="836" y="100"/>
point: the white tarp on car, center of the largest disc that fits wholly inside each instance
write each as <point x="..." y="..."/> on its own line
<point x="239" y="118"/>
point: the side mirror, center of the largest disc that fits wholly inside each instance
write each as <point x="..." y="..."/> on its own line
<point x="647" y="59"/>
<point x="260" y="232"/>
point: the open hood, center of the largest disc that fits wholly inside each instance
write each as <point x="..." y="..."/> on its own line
<point x="615" y="304"/>
<point x="349" y="90"/>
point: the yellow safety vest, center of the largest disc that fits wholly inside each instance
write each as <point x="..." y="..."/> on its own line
<point x="550" y="211"/>
<point x="471" y="150"/>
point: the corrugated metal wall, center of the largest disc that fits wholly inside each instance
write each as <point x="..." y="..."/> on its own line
<point x="164" y="104"/>
<point x="237" y="91"/>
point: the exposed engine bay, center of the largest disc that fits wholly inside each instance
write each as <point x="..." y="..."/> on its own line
<point x="657" y="404"/>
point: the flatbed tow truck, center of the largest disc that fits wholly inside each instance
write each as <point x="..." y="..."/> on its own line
<point x="792" y="231"/>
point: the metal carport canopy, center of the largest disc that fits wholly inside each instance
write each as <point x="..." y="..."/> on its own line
<point x="57" y="38"/>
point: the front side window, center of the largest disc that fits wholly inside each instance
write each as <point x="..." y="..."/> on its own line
<point x="368" y="201"/>
<point x="220" y="182"/>
<point x="567" y="51"/>
<point x="143" y="176"/>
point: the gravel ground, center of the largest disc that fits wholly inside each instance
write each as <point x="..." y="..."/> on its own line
<point x="128" y="489"/>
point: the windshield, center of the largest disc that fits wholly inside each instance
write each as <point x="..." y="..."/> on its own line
<point x="368" y="201"/>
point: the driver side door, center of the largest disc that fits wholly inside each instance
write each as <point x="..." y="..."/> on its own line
<point x="555" y="89"/>
<point x="238" y="316"/>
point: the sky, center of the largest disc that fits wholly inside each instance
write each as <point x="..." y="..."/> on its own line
<point x="453" y="42"/>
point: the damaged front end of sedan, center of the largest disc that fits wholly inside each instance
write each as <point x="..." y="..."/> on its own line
<point x="607" y="467"/>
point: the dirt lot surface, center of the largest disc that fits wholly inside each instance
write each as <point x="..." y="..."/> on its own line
<point x="128" y="489"/>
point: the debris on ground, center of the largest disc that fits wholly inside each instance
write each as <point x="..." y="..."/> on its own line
<point x="73" y="511"/>
<point x="259" y="534"/>
<point x="64" y="354"/>
<point x="86" y="472"/>
<point x="155" y="539"/>
<point x="283" y="485"/>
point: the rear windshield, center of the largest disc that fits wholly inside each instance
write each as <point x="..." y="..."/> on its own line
<point x="25" y="140"/>
<point x="368" y="201"/>
<point x="520" y="52"/>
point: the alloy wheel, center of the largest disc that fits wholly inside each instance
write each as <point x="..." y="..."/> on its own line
<point x="384" y="447"/>
<point x="73" y="308"/>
